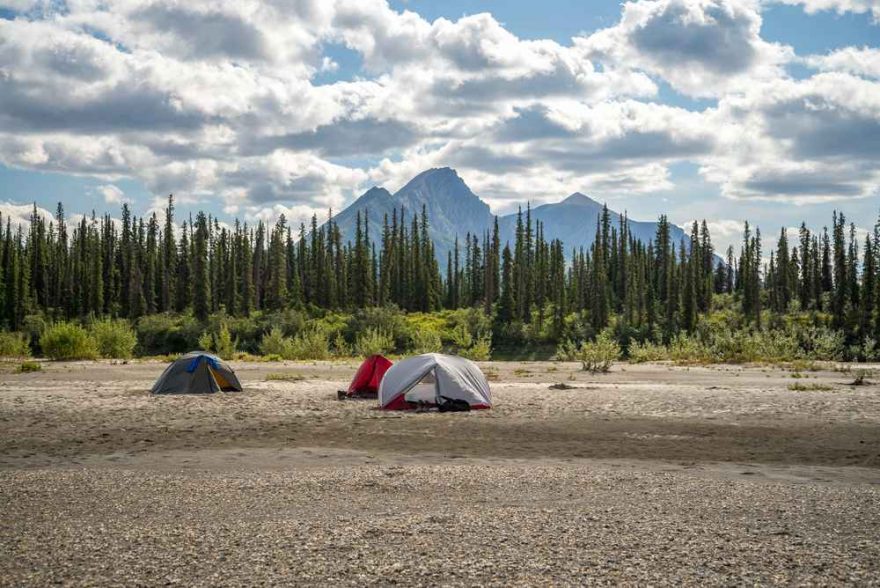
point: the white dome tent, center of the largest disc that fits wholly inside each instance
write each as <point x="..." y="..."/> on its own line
<point x="434" y="379"/>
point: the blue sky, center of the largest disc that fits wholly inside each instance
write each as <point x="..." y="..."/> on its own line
<point x="716" y="109"/>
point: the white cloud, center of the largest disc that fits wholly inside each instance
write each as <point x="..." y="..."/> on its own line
<point x="815" y="140"/>
<point x="703" y="48"/>
<point x="839" y="6"/>
<point x="112" y="194"/>
<point x="863" y="61"/>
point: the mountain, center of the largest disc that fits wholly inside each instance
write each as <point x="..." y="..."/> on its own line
<point x="573" y="221"/>
<point x="454" y="210"/>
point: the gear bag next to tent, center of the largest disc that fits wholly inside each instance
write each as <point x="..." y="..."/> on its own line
<point x="365" y="383"/>
<point x="434" y="379"/>
<point x="197" y="373"/>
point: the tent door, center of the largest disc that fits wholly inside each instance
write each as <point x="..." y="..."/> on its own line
<point x="222" y="382"/>
<point x="425" y="390"/>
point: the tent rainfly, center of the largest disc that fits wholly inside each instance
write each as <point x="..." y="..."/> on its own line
<point x="434" y="379"/>
<point x="197" y="373"/>
<point x="365" y="383"/>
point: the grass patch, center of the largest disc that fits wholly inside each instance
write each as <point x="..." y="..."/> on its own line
<point x="803" y="365"/>
<point x="27" y="367"/>
<point x="801" y="387"/>
<point x="284" y="377"/>
<point x="521" y="372"/>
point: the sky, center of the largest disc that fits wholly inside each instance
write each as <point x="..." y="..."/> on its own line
<point x="724" y="110"/>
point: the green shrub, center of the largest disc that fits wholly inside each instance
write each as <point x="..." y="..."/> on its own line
<point x="206" y="341"/>
<point x="647" y="351"/>
<point x="166" y="334"/>
<point x="480" y="350"/>
<point x="567" y="350"/>
<point x="27" y="367"/>
<point x="33" y="327"/>
<point x="332" y="323"/>
<point x="685" y="349"/>
<point x="374" y="342"/>
<point x="472" y="320"/>
<point x="245" y="332"/>
<point x="597" y="356"/>
<point x="426" y="341"/>
<point x="275" y="343"/>
<point x="115" y="339"/>
<point x="461" y="337"/>
<point x="14" y="344"/>
<point x="870" y="350"/>
<point x="312" y="343"/>
<point x="388" y="320"/>
<point x="823" y="344"/>
<point x="68" y="341"/>
<point x="290" y="321"/>
<point x="224" y="344"/>
<point x="417" y="322"/>
<point x="221" y="343"/>
<point x="341" y="348"/>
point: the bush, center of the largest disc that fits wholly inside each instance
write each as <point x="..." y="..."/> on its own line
<point x="312" y="343"/>
<point x="870" y="350"/>
<point x="426" y="341"/>
<point x="221" y="343"/>
<point x="114" y="339"/>
<point x="823" y="344"/>
<point x="161" y="334"/>
<point x="685" y="349"/>
<point x="275" y="343"/>
<point x="461" y="337"/>
<point x="387" y="320"/>
<point x="597" y="356"/>
<point x="374" y="342"/>
<point x="341" y="348"/>
<point x="481" y="350"/>
<point x="567" y="350"/>
<point x="27" y="367"/>
<point x="244" y="332"/>
<point x="14" y="344"/>
<point x="224" y="344"/>
<point x="68" y="341"/>
<point x="647" y="351"/>
<point x="33" y="327"/>
<point x="206" y="341"/>
<point x="472" y="320"/>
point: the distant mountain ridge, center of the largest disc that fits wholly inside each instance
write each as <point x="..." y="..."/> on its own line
<point x="454" y="211"/>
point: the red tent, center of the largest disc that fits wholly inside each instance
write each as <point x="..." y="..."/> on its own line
<point x="368" y="377"/>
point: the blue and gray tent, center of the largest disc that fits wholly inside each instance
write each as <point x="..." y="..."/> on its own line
<point x="197" y="372"/>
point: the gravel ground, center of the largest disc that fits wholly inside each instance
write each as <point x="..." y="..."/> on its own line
<point x="649" y="475"/>
<point x="496" y="524"/>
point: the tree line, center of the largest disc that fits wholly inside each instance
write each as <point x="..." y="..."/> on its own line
<point x="139" y="266"/>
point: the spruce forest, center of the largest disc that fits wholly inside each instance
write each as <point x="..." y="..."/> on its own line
<point x="156" y="285"/>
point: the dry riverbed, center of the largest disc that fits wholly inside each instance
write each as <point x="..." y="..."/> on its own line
<point x="653" y="473"/>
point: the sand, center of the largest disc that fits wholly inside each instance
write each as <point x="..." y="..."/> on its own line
<point x="652" y="473"/>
